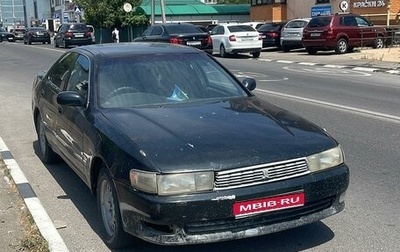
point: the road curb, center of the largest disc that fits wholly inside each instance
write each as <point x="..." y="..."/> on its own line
<point x="355" y="68"/>
<point x="32" y="202"/>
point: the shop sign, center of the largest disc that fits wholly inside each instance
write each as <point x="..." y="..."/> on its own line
<point x="369" y="4"/>
<point x="321" y="10"/>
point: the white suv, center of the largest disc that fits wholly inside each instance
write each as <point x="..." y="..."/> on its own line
<point x="236" y="38"/>
<point x="292" y="34"/>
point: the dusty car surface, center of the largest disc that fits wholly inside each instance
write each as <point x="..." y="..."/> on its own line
<point x="178" y="150"/>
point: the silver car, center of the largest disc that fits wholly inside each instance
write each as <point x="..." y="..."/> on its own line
<point x="292" y="33"/>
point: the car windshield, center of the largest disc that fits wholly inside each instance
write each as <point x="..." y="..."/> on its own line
<point x="320" y="22"/>
<point x="162" y="79"/>
<point x="240" y="28"/>
<point x="296" y="24"/>
<point x="180" y="29"/>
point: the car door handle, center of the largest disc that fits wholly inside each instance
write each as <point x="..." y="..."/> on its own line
<point x="60" y="110"/>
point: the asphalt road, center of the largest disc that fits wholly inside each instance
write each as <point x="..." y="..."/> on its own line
<point x="360" y="109"/>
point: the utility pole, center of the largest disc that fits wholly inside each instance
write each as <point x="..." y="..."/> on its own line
<point x="153" y="8"/>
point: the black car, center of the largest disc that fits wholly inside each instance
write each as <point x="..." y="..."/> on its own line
<point x="178" y="150"/>
<point x="271" y="34"/>
<point x="72" y="34"/>
<point x="178" y="33"/>
<point x="37" y="34"/>
<point x="6" y="36"/>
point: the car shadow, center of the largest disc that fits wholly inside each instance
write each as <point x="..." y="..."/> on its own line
<point x="297" y="239"/>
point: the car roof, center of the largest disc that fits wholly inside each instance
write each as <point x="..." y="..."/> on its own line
<point x="130" y="49"/>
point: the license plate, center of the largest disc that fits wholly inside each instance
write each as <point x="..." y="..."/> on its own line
<point x="247" y="39"/>
<point x="193" y="43"/>
<point x="274" y="203"/>
<point x="315" y="34"/>
<point x="79" y="35"/>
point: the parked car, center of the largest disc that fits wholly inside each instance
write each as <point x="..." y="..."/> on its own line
<point x="178" y="151"/>
<point x="6" y="36"/>
<point x="36" y="34"/>
<point x="72" y="34"/>
<point x="177" y="33"/>
<point x="19" y="33"/>
<point x="342" y="33"/>
<point x="92" y="34"/>
<point x="235" y="38"/>
<point x="255" y="25"/>
<point x="271" y="34"/>
<point x="292" y="34"/>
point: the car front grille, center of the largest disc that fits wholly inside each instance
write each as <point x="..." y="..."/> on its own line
<point x="260" y="174"/>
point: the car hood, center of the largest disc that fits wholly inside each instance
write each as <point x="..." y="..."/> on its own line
<point x="216" y="135"/>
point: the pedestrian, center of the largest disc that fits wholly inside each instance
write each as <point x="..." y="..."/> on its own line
<point x="115" y="35"/>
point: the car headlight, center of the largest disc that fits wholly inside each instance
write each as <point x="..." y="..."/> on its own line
<point x="326" y="159"/>
<point x="170" y="184"/>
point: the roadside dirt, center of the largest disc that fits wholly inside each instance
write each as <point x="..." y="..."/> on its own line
<point x="391" y="54"/>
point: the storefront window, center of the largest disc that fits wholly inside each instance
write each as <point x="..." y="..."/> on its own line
<point x="265" y="2"/>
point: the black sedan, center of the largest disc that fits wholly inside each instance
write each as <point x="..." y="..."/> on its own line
<point x="37" y="34"/>
<point x="271" y="34"/>
<point x="179" y="151"/>
<point x="178" y="33"/>
<point x="6" y="36"/>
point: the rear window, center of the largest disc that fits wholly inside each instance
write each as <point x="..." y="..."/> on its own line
<point x="240" y="28"/>
<point x="79" y="27"/>
<point x="270" y="27"/>
<point x="171" y="29"/>
<point x="320" y="22"/>
<point x="296" y="24"/>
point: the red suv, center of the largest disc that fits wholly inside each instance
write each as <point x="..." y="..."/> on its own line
<point x="342" y="33"/>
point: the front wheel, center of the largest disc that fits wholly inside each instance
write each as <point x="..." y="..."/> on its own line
<point x="108" y="207"/>
<point x="256" y="54"/>
<point x="341" y="46"/>
<point x="379" y="43"/>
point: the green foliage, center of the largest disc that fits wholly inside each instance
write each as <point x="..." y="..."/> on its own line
<point x="110" y="13"/>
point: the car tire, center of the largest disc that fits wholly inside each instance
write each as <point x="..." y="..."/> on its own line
<point x="379" y="43"/>
<point x="285" y="48"/>
<point x="108" y="209"/>
<point x="311" y="51"/>
<point x="56" y="44"/>
<point x="25" y="42"/>
<point x="222" y="51"/>
<point x="341" y="46"/>
<point x="49" y="41"/>
<point x="256" y="54"/>
<point x="29" y="41"/>
<point x="64" y="44"/>
<point x="45" y="153"/>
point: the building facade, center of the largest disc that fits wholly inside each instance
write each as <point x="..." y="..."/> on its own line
<point x="15" y="13"/>
<point x="382" y="12"/>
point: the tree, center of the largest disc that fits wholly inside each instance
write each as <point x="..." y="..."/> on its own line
<point x="110" y="13"/>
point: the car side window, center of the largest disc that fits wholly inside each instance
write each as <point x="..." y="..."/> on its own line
<point x="157" y="31"/>
<point x="148" y="31"/>
<point x="362" y="21"/>
<point x="79" y="77"/>
<point x="349" y="21"/>
<point x="59" y="73"/>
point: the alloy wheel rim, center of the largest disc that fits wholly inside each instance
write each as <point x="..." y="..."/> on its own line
<point x="342" y="46"/>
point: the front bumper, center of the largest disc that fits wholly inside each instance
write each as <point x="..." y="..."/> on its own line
<point x="208" y="217"/>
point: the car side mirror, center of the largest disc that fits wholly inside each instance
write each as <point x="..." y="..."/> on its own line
<point x="249" y="83"/>
<point x="70" y="98"/>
